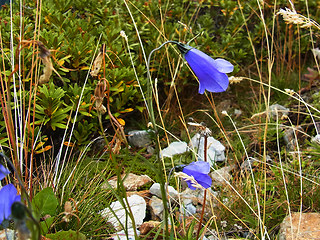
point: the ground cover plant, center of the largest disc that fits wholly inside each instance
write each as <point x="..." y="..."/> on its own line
<point x="77" y="76"/>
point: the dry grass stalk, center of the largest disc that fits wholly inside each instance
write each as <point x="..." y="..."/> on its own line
<point x="186" y="177"/>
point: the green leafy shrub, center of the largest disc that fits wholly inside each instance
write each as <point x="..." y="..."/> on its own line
<point x="51" y="111"/>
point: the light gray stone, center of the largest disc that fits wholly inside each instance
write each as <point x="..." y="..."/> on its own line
<point x="247" y="165"/>
<point x="174" y="148"/>
<point x="155" y="190"/>
<point x="215" y="237"/>
<point x="156" y="208"/>
<point x="7" y="234"/>
<point x="139" y="138"/>
<point x="215" y="150"/>
<point x="196" y="197"/>
<point x="222" y="176"/>
<point x="189" y="210"/>
<point x="290" y="135"/>
<point x="138" y="207"/>
<point x="277" y="109"/>
<point x="316" y="139"/>
<point x="237" y="112"/>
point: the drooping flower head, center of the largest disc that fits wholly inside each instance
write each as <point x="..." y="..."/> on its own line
<point x="3" y="172"/>
<point x="199" y="171"/>
<point x="210" y="72"/>
<point x="8" y="195"/>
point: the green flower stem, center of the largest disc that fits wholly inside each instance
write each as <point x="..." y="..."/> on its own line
<point x="102" y="131"/>
<point x="150" y="89"/>
<point x="205" y="191"/>
<point x="160" y="174"/>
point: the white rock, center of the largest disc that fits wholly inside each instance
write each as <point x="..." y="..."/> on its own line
<point x="214" y="237"/>
<point x="215" y="150"/>
<point x="156" y="208"/>
<point x="290" y="135"/>
<point x="155" y="190"/>
<point x="222" y="176"/>
<point x="138" y="207"/>
<point x="277" y="109"/>
<point x="189" y="210"/>
<point x="237" y="112"/>
<point x="316" y="139"/>
<point x="247" y="165"/>
<point x="187" y="200"/>
<point x="139" y="138"/>
<point x="174" y="148"/>
<point x="7" y="234"/>
<point x="196" y="197"/>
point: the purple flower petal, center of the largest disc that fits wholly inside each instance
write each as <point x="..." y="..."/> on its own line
<point x="210" y="72"/>
<point x="200" y="166"/>
<point x="220" y="84"/>
<point x="223" y="65"/>
<point x="190" y="185"/>
<point x="1" y="211"/>
<point x="8" y="195"/>
<point x="199" y="171"/>
<point x="3" y="172"/>
<point x="204" y="180"/>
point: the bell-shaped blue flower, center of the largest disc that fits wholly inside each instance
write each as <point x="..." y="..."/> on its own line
<point x="199" y="171"/>
<point x="8" y="195"/>
<point x="3" y="172"/>
<point x="210" y="72"/>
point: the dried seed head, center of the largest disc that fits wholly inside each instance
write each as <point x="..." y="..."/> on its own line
<point x="47" y="70"/>
<point x="99" y="96"/>
<point x="224" y="113"/>
<point x="44" y="52"/>
<point x="96" y="66"/>
<point x="46" y="60"/>
<point x="100" y="89"/>
<point x="233" y="79"/>
<point x="123" y="34"/>
<point x="289" y="91"/>
<point x="291" y="16"/>
<point x="201" y="128"/>
<point x="67" y="207"/>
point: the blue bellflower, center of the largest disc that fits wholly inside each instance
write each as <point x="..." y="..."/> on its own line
<point x="199" y="171"/>
<point x="210" y="72"/>
<point x="3" y="172"/>
<point x="8" y="195"/>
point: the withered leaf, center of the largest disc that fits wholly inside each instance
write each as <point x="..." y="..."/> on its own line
<point x="97" y="65"/>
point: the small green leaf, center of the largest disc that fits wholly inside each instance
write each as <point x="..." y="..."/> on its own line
<point x="140" y="108"/>
<point x="45" y="202"/>
<point x="86" y="114"/>
<point x="46" y="224"/>
<point x="60" y="125"/>
<point x="66" y="235"/>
